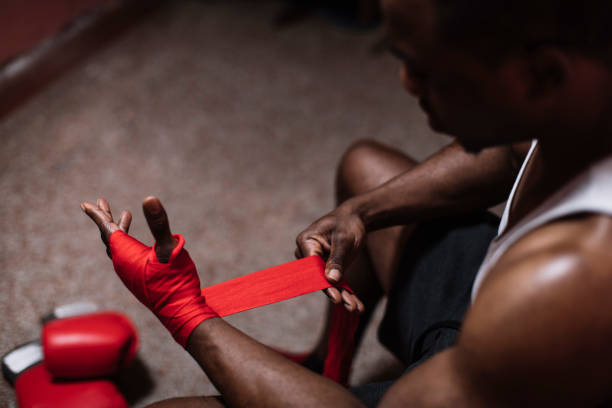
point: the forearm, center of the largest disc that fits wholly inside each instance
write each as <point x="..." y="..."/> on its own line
<point x="248" y="373"/>
<point x="449" y="182"/>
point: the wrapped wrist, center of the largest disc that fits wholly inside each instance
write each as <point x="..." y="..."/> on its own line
<point x="170" y="290"/>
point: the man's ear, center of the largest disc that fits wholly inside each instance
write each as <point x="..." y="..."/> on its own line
<point x="549" y="70"/>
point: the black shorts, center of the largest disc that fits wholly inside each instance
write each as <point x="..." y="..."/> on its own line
<point x="431" y="291"/>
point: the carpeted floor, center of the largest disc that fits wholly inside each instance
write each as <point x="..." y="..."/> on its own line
<point x="236" y="126"/>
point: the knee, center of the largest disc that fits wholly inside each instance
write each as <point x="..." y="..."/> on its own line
<point x="366" y="165"/>
<point x="358" y="153"/>
<point x="355" y="165"/>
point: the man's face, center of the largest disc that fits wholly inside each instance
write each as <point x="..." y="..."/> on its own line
<point x="462" y="96"/>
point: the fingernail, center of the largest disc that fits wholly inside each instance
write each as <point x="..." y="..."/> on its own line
<point x="83" y="207"/>
<point x="334" y="275"/>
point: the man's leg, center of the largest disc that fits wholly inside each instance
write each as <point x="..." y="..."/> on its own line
<point x="365" y="166"/>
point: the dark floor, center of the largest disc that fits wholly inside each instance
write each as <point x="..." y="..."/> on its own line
<point x="237" y="127"/>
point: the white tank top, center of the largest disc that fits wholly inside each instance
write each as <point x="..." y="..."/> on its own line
<point x="590" y="191"/>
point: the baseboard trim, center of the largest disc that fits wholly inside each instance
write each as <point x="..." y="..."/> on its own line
<point x="28" y="74"/>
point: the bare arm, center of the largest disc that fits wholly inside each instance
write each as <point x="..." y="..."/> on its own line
<point x="449" y="182"/>
<point x="248" y="373"/>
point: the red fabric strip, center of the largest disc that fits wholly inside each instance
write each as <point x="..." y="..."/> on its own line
<point x="268" y="286"/>
<point x="284" y="282"/>
<point x="341" y="344"/>
<point x="170" y="290"/>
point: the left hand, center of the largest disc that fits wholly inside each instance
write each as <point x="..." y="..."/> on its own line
<point x="165" y="279"/>
<point x="155" y="214"/>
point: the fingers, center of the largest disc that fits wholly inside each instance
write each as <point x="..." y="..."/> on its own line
<point x="360" y="305"/>
<point x="101" y="215"/>
<point x="102" y="218"/>
<point x="335" y="261"/>
<point x="350" y="301"/>
<point x="94" y="212"/>
<point x="308" y="245"/>
<point x="103" y="205"/>
<point x="160" y="228"/>
<point x="334" y="295"/>
<point x="157" y="219"/>
<point x="314" y="239"/>
<point x="125" y="220"/>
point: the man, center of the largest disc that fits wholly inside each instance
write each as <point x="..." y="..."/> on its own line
<point x="494" y="74"/>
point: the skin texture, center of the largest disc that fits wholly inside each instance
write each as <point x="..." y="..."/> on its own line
<point x="538" y="333"/>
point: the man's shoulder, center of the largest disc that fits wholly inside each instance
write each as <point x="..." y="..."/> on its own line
<point x="544" y="314"/>
<point x="569" y="250"/>
<point x="584" y="238"/>
<point x="572" y="255"/>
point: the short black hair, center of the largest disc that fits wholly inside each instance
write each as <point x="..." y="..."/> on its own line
<point x="582" y="25"/>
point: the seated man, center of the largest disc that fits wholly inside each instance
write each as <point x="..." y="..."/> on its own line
<point x="496" y="75"/>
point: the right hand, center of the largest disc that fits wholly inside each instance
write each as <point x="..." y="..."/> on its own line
<point x="336" y="237"/>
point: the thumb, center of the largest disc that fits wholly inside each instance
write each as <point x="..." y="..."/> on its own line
<point x="335" y="261"/>
<point x="160" y="228"/>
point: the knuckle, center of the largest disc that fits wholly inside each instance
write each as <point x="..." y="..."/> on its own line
<point x="344" y="236"/>
<point x="304" y="237"/>
<point x="335" y="264"/>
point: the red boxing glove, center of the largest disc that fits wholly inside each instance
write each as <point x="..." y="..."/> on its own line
<point x="170" y="290"/>
<point x="93" y="345"/>
<point x="35" y="388"/>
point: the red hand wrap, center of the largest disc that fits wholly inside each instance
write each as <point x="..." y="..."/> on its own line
<point x="172" y="292"/>
<point x="270" y="285"/>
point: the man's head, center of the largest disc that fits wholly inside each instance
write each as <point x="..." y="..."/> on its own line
<point x="498" y="71"/>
